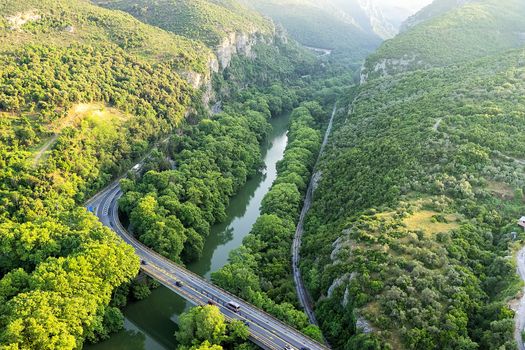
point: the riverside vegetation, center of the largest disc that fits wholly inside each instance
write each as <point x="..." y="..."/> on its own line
<point x="84" y="93"/>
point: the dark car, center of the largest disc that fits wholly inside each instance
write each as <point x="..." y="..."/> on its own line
<point x="179" y="284"/>
<point x="211" y="302"/>
<point x="143" y="262"/>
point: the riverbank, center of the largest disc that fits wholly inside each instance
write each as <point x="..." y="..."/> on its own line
<point x="151" y="323"/>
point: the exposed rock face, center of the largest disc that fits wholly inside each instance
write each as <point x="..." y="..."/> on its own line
<point x="18" y="20"/>
<point x="364" y="325"/>
<point x="237" y="44"/>
<point x="381" y="26"/>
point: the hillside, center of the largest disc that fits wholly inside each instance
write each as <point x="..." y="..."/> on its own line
<point x="421" y="186"/>
<point x="452" y="37"/>
<point x="86" y="92"/>
<point x="64" y="23"/>
<point x="83" y="90"/>
<point x="225" y="26"/>
<point x="434" y="9"/>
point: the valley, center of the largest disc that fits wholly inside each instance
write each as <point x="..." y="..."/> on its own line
<point x="153" y="320"/>
<point x="277" y="174"/>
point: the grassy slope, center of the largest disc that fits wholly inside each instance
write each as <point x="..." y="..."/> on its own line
<point x="208" y="21"/>
<point x="93" y="25"/>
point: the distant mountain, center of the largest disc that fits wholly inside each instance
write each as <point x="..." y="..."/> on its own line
<point x="435" y="9"/>
<point x="449" y="32"/>
<point x="328" y="24"/>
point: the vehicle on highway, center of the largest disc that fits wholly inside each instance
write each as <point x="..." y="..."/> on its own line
<point x="143" y="262"/>
<point x="179" y="283"/>
<point x="232" y="305"/>
<point x="211" y="302"/>
<point x="288" y="347"/>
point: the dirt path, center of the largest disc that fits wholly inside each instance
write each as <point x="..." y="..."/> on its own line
<point x="302" y="293"/>
<point x="45" y="148"/>
<point x="438" y="122"/>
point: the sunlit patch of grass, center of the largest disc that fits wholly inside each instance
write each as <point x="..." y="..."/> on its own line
<point x="431" y="222"/>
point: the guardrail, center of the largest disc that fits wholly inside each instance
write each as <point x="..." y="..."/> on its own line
<point x="204" y="281"/>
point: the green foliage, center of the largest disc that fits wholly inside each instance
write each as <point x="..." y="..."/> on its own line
<point x="462" y="33"/>
<point x="205" y="327"/>
<point x="442" y="140"/>
<point x="207" y="21"/>
<point x="260" y="270"/>
<point x="64" y="297"/>
<point x="62" y="23"/>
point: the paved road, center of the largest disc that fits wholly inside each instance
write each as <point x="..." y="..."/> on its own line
<point x="302" y="293"/>
<point x="520" y="312"/>
<point x="265" y="330"/>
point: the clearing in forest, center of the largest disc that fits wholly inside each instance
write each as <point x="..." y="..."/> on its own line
<point x="431" y="222"/>
<point x="501" y="190"/>
<point x="94" y="111"/>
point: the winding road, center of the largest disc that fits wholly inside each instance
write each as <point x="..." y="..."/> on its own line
<point x="302" y="293"/>
<point x="265" y="330"/>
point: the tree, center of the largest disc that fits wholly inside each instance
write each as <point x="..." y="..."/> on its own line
<point x="202" y="323"/>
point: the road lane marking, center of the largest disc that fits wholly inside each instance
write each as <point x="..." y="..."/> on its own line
<point x="256" y="314"/>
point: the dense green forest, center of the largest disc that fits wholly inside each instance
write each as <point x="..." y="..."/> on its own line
<point x="409" y="241"/>
<point x="260" y="270"/>
<point x="412" y="230"/>
<point x="84" y="93"/>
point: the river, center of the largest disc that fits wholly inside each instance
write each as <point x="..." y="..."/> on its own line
<point x="150" y="324"/>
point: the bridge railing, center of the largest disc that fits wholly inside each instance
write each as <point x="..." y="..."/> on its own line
<point x="231" y="295"/>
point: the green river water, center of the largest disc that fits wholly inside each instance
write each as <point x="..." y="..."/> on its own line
<point x="151" y="323"/>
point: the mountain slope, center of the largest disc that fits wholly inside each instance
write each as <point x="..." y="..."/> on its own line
<point x="435" y="9"/>
<point x="321" y="24"/>
<point x="408" y="243"/>
<point x="84" y="92"/>
<point x="472" y="30"/>
<point x="62" y="23"/>
<point x="204" y="20"/>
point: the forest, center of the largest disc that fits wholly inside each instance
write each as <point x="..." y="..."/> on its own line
<point x="410" y="239"/>
<point x="448" y="34"/>
<point x="85" y="92"/>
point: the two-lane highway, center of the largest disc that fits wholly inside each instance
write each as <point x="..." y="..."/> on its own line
<point x="265" y="330"/>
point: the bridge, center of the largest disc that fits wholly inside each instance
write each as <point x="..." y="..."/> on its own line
<point x="265" y="330"/>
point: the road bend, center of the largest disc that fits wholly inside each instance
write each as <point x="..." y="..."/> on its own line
<point x="302" y="293"/>
<point x="265" y="330"/>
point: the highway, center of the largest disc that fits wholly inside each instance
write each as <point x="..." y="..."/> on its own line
<point x="265" y="330"/>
